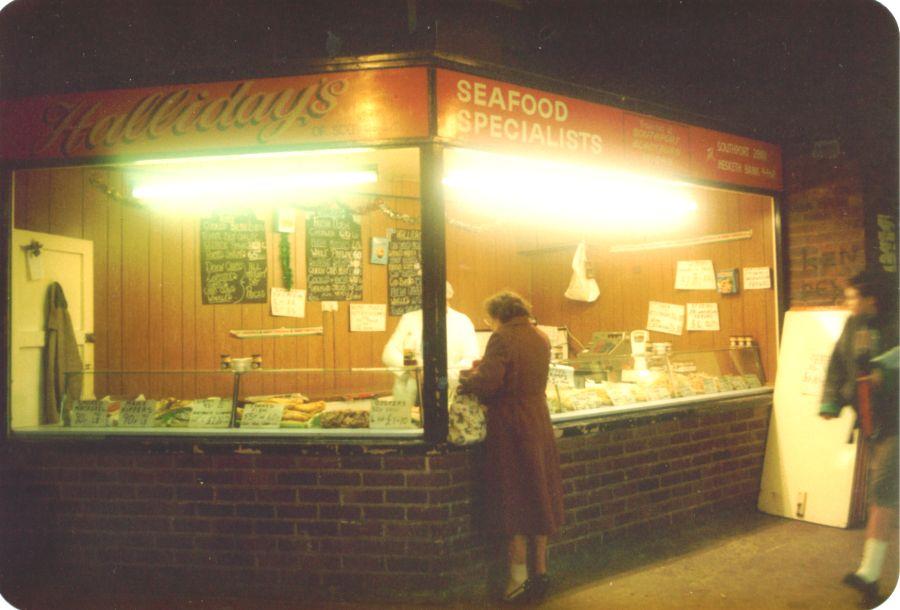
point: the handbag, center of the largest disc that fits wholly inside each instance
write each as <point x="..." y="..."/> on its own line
<point x="467" y="424"/>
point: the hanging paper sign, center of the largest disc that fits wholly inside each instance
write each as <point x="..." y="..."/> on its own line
<point x="262" y="415"/>
<point x="333" y="256"/>
<point x="695" y="275"/>
<point x="757" y="278"/>
<point x="367" y="318"/>
<point x="137" y="413"/>
<point x="89" y="413"/>
<point x="405" y="271"/>
<point x="665" y="318"/>
<point x="288" y="303"/>
<point x="233" y="261"/>
<point x="389" y="414"/>
<point x="263" y="333"/>
<point x="702" y="316"/>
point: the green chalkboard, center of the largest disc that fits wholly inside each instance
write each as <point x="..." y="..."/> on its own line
<point x="405" y="271"/>
<point x="333" y="257"/>
<point x="233" y="262"/>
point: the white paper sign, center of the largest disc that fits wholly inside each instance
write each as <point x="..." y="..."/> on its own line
<point x="702" y="316"/>
<point x="562" y="375"/>
<point x="695" y="275"/>
<point x="329" y="305"/>
<point x="89" y="413"/>
<point x="291" y="303"/>
<point x="389" y="414"/>
<point x="665" y="318"/>
<point x="368" y="317"/>
<point x="210" y="413"/>
<point x="262" y="415"/>
<point x="757" y="278"/>
<point x="137" y="413"/>
<point x="35" y="265"/>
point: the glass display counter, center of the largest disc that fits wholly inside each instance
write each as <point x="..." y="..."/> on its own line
<point x="359" y="402"/>
<point x="592" y="385"/>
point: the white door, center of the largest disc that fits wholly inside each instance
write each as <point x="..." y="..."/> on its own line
<point x="808" y="472"/>
<point x="70" y="262"/>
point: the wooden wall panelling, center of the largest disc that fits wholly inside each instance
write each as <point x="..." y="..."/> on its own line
<point x="66" y="202"/>
<point x="207" y="350"/>
<point x="135" y="298"/>
<point x="190" y="295"/>
<point x="32" y="206"/>
<point x="251" y="315"/>
<point x="157" y="325"/>
<point x="309" y="351"/>
<point x="172" y="323"/>
<point x="115" y="289"/>
<point x="96" y="228"/>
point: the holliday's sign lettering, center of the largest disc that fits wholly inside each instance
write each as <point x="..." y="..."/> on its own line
<point x="272" y="112"/>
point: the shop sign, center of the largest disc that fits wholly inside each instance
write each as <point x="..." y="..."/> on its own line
<point x="490" y="114"/>
<point x="727" y="158"/>
<point x="496" y="115"/>
<point x="656" y="145"/>
<point x="248" y="114"/>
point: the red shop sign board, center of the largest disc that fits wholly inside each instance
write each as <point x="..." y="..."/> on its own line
<point x="491" y="114"/>
<point x="249" y="114"/>
<point x="728" y="158"/>
<point x="657" y="146"/>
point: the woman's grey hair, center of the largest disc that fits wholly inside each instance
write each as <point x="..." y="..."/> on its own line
<point x="506" y="305"/>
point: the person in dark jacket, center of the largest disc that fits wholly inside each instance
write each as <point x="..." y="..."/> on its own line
<point x="525" y="499"/>
<point x="862" y="372"/>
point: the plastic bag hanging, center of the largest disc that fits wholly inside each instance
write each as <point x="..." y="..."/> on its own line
<point x="582" y="286"/>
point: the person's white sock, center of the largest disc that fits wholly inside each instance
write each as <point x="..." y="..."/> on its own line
<point x="872" y="560"/>
<point x="518" y="573"/>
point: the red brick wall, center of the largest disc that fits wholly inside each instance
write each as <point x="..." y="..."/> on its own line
<point x="823" y="227"/>
<point x="343" y="521"/>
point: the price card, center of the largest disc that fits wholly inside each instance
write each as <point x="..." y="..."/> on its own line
<point x="89" y="413"/>
<point x="262" y="415"/>
<point x="710" y="386"/>
<point x="210" y="413"/>
<point x="752" y="380"/>
<point x="737" y="382"/>
<point x="391" y="414"/>
<point x="695" y="275"/>
<point x="562" y="375"/>
<point x="137" y="413"/>
<point x="685" y="389"/>
<point x="757" y="278"/>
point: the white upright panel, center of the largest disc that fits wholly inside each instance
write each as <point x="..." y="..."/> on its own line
<point x="808" y="468"/>
<point x="70" y="262"/>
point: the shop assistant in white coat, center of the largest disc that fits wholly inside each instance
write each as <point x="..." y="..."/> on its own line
<point x="462" y="349"/>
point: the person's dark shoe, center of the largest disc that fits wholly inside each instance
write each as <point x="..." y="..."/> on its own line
<point x="871" y="596"/>
<point x="536" y="588"/>
<point x="517" y="596"/>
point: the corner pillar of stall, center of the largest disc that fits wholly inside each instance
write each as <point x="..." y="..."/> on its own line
<point x="434" y="308"/>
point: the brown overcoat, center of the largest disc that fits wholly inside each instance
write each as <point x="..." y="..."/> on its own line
<point x="523" y="482"/>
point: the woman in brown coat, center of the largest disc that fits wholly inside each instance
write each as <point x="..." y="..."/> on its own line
<point x="522" y="472"/>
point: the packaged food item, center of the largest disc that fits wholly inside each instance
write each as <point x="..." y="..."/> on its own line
<point x="345" y="417"/>
<point x="172" y="413"/>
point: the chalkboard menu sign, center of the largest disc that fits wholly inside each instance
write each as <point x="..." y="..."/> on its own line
<point x="333" y="257"/>
<point x="233" y="263"/>
<point x="404" y="271"/>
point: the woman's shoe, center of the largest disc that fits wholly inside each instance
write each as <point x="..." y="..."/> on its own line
<point x="536" y="588"/>
<point x="519" y="595"/>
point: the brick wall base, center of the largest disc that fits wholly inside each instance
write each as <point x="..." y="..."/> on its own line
<point x="342" y="521"/>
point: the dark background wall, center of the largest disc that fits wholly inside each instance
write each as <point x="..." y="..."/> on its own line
<point x="819" y="78"/>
